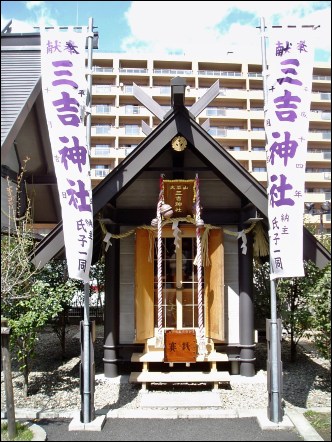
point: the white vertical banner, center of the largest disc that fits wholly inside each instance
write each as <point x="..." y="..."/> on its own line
<point x="290" y="58"/>
<point x="64" y="92"/>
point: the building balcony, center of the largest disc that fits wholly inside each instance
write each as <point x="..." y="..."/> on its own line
<point x="320" y="115"/>
<point x="258" y="75"/>
<point x="104" y="152"/>
<point x="209" y="73"/>
<point x="321" y="96"/>
<point x="317" y="197"/>
<point x="260" y="176"/>
<point x="319" y="136"/>
<point x="258" y="155"/>
<point x="256" y="134"/>
<point x="133" y="110"/>
<point x="234" y="134"/>
<point x="103" y="131"/>
<point x="99" y="173"/>
<point x="103" y="110"/>
<point x="102" y="69"/>
<point x="254" y="94"/>
<point x="101" y="89"/>
<point x="135" y="132"/>
<point x="318" y="177"/>
<point x="238" y="93"/>
<point x="256" y="114"/>
<point x="228" y="113"/>
<point x="240" y="155"/>
<point x="101" y="72"/>
<point x="133" y="71"/>
<point x="324" y="156"/>
<point x="173" y="72"/>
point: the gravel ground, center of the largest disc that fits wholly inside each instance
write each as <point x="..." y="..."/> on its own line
<point x="54" y="384"/>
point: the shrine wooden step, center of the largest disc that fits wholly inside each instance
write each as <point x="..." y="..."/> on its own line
<point x="158" y="356"/>
<point x="179" y="377"/>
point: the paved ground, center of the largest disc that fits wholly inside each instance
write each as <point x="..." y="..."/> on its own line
<point x="170" y="424"/>
<point x="227" y="429"/>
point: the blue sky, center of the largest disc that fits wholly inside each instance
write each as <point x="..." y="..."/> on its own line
<point x="209" y="28"/>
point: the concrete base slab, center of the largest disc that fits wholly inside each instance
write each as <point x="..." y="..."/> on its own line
<point x="266" y="424"/>
<point x="177" y="400"/>
<point x="95" y="425"/>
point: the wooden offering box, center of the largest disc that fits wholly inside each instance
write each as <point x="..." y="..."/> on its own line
<point x="180" y="346"/>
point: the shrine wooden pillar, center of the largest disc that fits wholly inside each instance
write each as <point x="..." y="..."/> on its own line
<point x="111" y="308"/>
<point x="246" y="309"/>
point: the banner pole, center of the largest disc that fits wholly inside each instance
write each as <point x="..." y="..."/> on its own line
<point x="274" y="385"/>
<point x="87" y="408"/>
<point x="86" y="359"/>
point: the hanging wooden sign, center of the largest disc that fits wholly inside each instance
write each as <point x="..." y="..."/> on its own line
<point x="180" y="195"/>
<point x="180" y="346"/>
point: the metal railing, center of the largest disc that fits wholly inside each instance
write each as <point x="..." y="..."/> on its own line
<point x="220" y="73"/>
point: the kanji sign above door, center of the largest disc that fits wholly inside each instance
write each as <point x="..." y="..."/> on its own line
<point x="180" y="195"/>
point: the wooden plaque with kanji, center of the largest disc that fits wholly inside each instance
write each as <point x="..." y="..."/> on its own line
<point x="180" y="346"/>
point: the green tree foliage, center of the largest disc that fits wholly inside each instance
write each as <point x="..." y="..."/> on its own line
<point x="303" y="304"/>
<point x="55" y="275"/>
<point x="325" y="240"/>
<point x="295" y="304"/>
<point x="320" y="302"/>
<point x="27" y="300"/>
<point x="26" y="317"/>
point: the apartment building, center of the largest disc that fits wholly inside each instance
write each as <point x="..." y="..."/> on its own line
<point x="236" y="117"/>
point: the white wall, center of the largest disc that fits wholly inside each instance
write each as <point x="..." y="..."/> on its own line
<point x="127" y="287"/>
<point x="231" y="265"/>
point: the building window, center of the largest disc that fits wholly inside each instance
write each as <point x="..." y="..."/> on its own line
<point x="103" y="129"/>
<point x="103" y="109"/>
<point x="217" y="132"/>
<point x="101" y="171"/>
<point x="132" y="110"/>
<point x="132" y="129"/>
<point x="215" y="111"/>
<point x="129" y="89"/>
<point x="102" y="150"/>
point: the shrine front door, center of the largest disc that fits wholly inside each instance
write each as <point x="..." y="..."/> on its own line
<point x="179" y="282"/>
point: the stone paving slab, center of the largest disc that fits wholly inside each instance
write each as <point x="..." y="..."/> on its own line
<point x="181" y="399"/>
